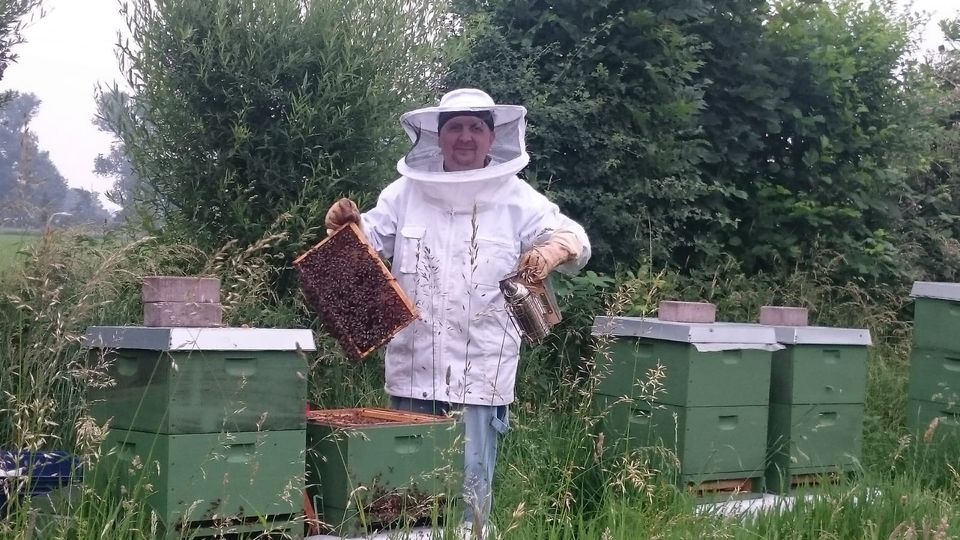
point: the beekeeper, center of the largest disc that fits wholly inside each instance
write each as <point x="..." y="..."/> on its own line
<point x="455" y="223"/>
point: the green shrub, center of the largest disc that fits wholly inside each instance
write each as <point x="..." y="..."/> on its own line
<point x="612" y="103"/>
<point x="244" y="111"/>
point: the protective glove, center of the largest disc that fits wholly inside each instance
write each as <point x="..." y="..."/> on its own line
<point x="536" y="264"/>
<point x="342" y="212"/>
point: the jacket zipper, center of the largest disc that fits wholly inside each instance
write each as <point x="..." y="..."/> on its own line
<point x="444" y="295"/>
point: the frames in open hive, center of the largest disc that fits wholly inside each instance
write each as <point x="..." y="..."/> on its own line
<point x="356" y="297"/>
<point x="370" y="416"/>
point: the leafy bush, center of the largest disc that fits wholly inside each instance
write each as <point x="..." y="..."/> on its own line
<point x="849" y="131"/>
<point x="243" y="111"/>
<point x="931" y="217"/>
<point x="612" y="111"/>
<point x="684" y="133"/>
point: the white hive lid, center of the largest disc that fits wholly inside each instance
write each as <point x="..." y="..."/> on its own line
<point x="198" y="339"/>
<point x="653" y="328"/>
<point x="822" y="335"/>
<point x="936" y="289"/>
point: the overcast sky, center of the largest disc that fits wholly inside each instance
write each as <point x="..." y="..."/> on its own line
<point x="71" y="49"/>
<point x="66" y="54"/>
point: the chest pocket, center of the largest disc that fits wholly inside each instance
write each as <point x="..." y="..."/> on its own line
<point x="494" y="259"/>
<point x="410" y="249"/>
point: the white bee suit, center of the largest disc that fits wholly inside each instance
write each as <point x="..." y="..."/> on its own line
<point x="451" y="237"/>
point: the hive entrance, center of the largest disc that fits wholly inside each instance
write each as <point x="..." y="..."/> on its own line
<point x="389" y="508"/>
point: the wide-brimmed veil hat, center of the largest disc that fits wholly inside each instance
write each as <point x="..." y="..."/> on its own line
<point x="424" y="161"/>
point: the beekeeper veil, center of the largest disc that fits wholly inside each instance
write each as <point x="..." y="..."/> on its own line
<point x="463" y="189"/>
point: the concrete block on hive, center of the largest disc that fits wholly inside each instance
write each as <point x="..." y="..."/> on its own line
<point x="356" y="297"/>
<point x="181" y="289"/>
<point x="688" y="312"/>
<point x="192" y="314"/>
<point x="783" y="316"/>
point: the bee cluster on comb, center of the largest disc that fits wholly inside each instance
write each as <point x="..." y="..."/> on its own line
<point x="356" y="297"/>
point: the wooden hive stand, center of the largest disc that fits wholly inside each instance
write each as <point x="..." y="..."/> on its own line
<point x="814" y="480"/>
<point x="731" y="486"/>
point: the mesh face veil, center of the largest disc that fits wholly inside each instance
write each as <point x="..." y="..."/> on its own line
<point x="424" y="162"/>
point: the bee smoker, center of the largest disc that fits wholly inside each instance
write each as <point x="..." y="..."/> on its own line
<point x="532" y="307"/>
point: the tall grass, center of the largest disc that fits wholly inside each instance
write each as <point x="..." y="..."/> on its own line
<point x="554" y="484"/>
<point x="11" y="243"/>
<point x="556" y="478"/>
<point x="64" y="286"/>
<point x="906" y="488"/>
<point x="67" y="283"/>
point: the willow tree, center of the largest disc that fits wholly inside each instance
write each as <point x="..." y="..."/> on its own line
<point x="14" y="16"/>
<point x="243" y="112"/>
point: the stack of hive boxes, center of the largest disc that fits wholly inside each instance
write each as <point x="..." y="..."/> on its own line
<point x="817" y="394"/>
<point x="933" y="395"/>
<point x="371" y="469"/>
<point x="712" y="409"/>
<point x="208" y="422"/>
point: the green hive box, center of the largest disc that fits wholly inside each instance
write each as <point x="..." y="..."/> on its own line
<point x="934" y="375"/>
<point x="202" y="477"/>
<point x="369" y="468"/>
<point x="201" y="380"/>
<point x="705" y="365"/>
<point x="934" y="422"/>
<point x="936" y="315"/>
<point x="817" y="390"/>
<point x="820" y="365"/>
<point x="709" y="443"/>
<point x="57" y="516"/>
<point x="812" y="439"/>
<point x="288" y="527"/>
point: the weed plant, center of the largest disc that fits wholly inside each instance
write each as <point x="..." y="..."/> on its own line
<point x="67" y="283"/>
<point x="556" y="479"/>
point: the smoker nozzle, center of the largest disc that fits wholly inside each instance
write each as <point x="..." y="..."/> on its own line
<point x="512" y="289"/>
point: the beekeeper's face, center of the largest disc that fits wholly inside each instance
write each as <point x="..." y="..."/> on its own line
<point x="465" y="142"/>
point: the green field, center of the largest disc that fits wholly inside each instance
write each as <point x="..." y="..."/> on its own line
<point x="11" y="243"/>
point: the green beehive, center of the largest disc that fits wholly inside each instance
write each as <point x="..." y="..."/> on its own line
<point x="934" y="422"/>
<point x="58" y="515"/>
<point x="933" y="389"/>
<point x="201" y="380"/>
<point x="934" y="375"/>
<point x="371" y="468"/>
<point x="817" y="391"/>
<point x="703" y="365"/>
<point x="936" y="315"/>
<point x="201" y="478"/>
<point x="812" y="439"/>
<point x="820" y="365"/>
<point x="708" y="443"/>
<point x="711" y="410"/>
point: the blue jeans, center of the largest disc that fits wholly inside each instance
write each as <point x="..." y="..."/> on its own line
<point x="483" y="426"/>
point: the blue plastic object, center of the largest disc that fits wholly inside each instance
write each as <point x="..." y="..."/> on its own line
<point x="35" y="473"/>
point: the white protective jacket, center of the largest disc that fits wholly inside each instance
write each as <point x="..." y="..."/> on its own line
<point x="452" y="237"/>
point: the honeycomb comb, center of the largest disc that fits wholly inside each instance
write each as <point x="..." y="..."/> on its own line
<point x="355" y="296"/>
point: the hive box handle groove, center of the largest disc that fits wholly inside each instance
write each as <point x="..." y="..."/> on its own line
<point x="407" y="444"/>
<point x="240" y="452"/>
<point x="951" y="364"/>
<point x="728" y="422"/>
<point x="827" y="419"/>
<point x="127" y="365"/>
<point x="241" y="367"/>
